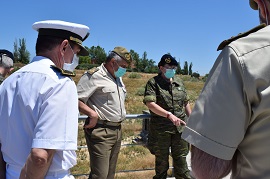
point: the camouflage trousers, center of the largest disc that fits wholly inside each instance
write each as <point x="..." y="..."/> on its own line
<point x="179" y="151"/>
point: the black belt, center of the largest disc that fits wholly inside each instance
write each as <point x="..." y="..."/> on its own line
<point x="109" y="123"/>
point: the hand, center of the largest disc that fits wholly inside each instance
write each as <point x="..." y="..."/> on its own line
<point x="175" y="120"/>
<point x="92" y="121"/>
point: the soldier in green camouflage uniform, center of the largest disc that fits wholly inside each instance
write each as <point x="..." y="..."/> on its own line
<point x="6" y="63"/>
<point x="167" y="100"/>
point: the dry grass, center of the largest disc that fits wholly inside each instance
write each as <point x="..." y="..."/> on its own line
<point x="131" y="157"/>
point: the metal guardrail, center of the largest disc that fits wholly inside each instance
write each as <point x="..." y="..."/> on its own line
<point x="128" y="116"/>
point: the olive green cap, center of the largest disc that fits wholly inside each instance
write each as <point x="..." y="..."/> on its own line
<point x="253" y="4"/>
<point x="122" y="52"/>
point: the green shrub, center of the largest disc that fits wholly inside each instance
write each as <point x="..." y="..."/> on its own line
<point x="205" y="78"/>
<point x="140" y="91"/>
<point x="134" y="75"/>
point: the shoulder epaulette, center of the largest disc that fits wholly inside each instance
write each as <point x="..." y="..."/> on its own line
<point x="92" y="70"/>
<point x="63" y="72"/>
<point x="240" y="35"/>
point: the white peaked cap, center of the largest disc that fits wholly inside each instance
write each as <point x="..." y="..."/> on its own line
<point x="68" y="30"/>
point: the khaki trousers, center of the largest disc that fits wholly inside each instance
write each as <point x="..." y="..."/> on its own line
<point x="104" y="144"/>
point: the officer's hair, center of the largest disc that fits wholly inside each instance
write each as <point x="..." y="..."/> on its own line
<point x="47" y="43"/>
<point x="113" y="55"/>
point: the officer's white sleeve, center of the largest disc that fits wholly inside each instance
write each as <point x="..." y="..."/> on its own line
<point x="57" y="126"/>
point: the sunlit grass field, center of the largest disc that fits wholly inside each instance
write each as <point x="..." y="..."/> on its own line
<point x="131" y="157"/>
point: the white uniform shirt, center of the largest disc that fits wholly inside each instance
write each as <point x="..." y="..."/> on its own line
<point x="39" y="109"/>
<point x="231" y="118"/>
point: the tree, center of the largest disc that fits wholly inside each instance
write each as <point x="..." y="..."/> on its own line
<point x="151" y="67"/>
<point x="144" y="62"/>
<point x="16" y="51"/>
<point x="135" y="59"/>
<point x="97" y="55"/>
<point x="84" y="60"/>
<point x="178" y="70"/>
<point x="185" y="70"/>
<point x="21" y="54"/>
<point x="190" y="69"/>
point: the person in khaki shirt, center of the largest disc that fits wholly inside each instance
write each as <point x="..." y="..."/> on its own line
<point x="229" y="125"/>
<point x="102" y="93"/>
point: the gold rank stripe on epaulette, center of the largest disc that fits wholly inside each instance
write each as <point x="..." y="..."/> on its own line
<point x="228" y="41"/>
<point x="64" y="72"/>
<point x="92" y="70"/>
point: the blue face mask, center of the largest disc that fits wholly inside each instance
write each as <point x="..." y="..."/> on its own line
<point x="169" y="73"/>
<point x="120" y="72"/>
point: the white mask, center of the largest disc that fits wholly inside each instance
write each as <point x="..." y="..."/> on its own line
<point x="75" y="62"/>
<point x="71" y="66"/>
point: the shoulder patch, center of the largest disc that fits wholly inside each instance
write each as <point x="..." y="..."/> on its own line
<point x="92" y="70"/>
<point x="63" y="72"/>
<point x="240" y="35"/>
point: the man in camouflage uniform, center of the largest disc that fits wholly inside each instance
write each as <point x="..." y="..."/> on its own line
<point x="6" y="63"/>
<point x="167" y="100"/>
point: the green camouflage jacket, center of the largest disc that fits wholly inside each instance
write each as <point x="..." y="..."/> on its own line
<point x="170" y="96"/>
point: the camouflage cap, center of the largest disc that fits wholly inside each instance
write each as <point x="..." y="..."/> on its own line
<point x="122" y="52"/>
<point x="6" y="58"/>
<point x="253" y="4"/>
<point x="167" y="59"/>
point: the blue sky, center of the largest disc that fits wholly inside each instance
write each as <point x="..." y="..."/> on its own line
<point x="189" y="30"/>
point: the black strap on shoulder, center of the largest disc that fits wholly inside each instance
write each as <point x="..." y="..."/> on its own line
<point x="228" y="41"/>
<point x="63" y="72"/>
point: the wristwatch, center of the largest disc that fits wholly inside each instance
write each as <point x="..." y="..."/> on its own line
<point x="168" y="114"/>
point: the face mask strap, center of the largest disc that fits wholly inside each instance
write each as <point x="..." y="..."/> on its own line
<point x="71" y="49"/>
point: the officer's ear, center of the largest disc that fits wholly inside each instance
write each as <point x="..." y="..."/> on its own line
<point x="113" y="60"/>
<point x="63" y="46"/>
<point x="262" y="8"/>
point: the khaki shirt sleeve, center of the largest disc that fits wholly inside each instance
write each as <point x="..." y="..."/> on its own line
<point x="150" y="92"/>
<point x="221" y="114"/>
<point x="86" y="87"/>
